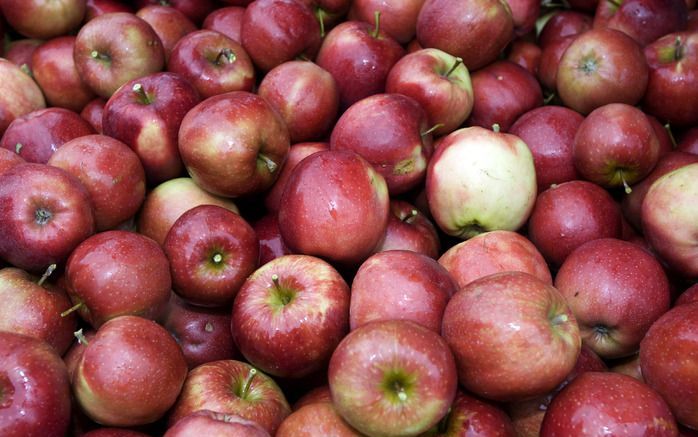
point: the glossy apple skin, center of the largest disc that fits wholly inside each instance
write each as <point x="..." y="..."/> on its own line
<point x="35" y="386"/>
<point x="43" y="19"/>
<point x="220" y="386"/>
<point x="612" y="403"/>
<point x="21" y="51"/>
<point x="392" y="378"/>
<point x="93" y="111"/>
<point x="9" y="159"/>
<point x="226" y="20"/>
<point x="290" y="328"/>
<point x="689" y="141"/>
<point x="510" y="315"/>
<point x="169" y="24"/>
<point x="672" y="90"/>
<point x="53" y="68"/>
<point x="570" y="214"/>
<point x="110" y="171"/>
<point x="470" y="416"/>
<point x="564" y="23"/>
<point x="233" y="144"/>
<point x="126" y="46"/>
<point x="616" y="290"/>
<point x="276" y="31"/>
<point x="19" y="94"/>
<point x="207" y="422"/>
<point x="409" y="229"/>
<point x="213" y="63"/>
<point x="586" y="81"/>
<point x="168" y="201"/>
<point x="191" y="246"/>
<point x="390" y="132"/>
<point x="358" y="60"/>
<point x="400" y="285"/>
<point x="643" y="20"/>
<point x="688" y="295"/>
<point x="94" y="8"/>
<point x="271" y="245"/>
<point x="45" y="213"/>
<point x="316" y="419"/>
<point x="525" y="54"/>
<point x="305" y="95"/>
<point x="106" y="273"/>
<point x="667" y="361"/>
<point x="329" y="191"/>
<point x="398" y="19"/>
<point x="130" y="373"/>
<point x="550" y="57"/>
<point x="195" y="10"/>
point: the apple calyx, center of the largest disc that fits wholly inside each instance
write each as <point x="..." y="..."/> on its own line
<point x="72" y="309"/>
<point x="42" y="216"/>
<point x="268" y="162"/>
<point x="244" y="389"/>
<point x="377" y="21"/>
<point x="46" y="274"/>
<point x="142" y="96"/>
<point x="397" y="386"/>
<point x="81" y="337"/>
<point x="496" y="128"/>
<point x="208" y="327"/>
<point x="457" y="63"/>
<point x="225" y="56"/>
<point x="589" y="64"/>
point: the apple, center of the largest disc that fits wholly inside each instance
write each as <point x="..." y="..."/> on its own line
<point x="315" y="419"/>
<point x="271" y="245"/>
<point x="226" y="20"/>
<point x="616" y="290"/>
<point x="19" y="94"/>
<point x="398" y="18"/>
<point x="393" y="378"/>
<point x="564" y="23"/>
<point x="630" y="366"/>
<point x="211" y="251"/>
<point x="233" y="144"/>
<point x="480" y="180"/>
<point x="642" y="20"/>
<point x="45" y="212"/>
<point x="410" y="229"/>
<point x="472" y="416"/>
<point x="130" y="373"/>
<point x="321" y="393"/>
<point x="195" y="10"/>
<point x="169" y="24"/>
<point x="549" y="64"/>
<point x="93" y="111"/>
<point x="207" y="422"/>
<point x="689" y="141"/>
<point x="9" y="159"/>
<point x="689" y="295"/>
<point x="526" y="54"/>
<point x="232" y="387"/>
<point x="495" y="324"/>
<point x="35" y="388"/>
<point x="112" y="49"/>
<point x="21" y="51"/>
<point x="43" y="19"/>
<point x="93" y="8"/>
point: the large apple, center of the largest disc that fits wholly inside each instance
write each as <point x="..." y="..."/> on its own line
<point x="43" y="19"/>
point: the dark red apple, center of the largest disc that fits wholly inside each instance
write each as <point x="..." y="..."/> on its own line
<point x="271" y="245"/>
<point x="398" y="18"/>
<point x="688" y="295"/>
<point x="43" y="19"/>
<point x="315" y="419"/>
<point x="525" y="53"/>
<point x="642" y="20"/>
<point x="211" y="423"/>
<point x="470" y="416"/>
<point x="629" y="366"/>
<point x="114" y="432"/>
<point x="226" y="20"/>
<point x="318" y="394"/>
<point x="564" y="23"/>
<point x="410" y="229"/>
<point x="93" y="111"/>
<point x="549" y="65"/>
<point x="195" y="10"/>
<point x="93" y="8"/>
<point x="169" y="24"/>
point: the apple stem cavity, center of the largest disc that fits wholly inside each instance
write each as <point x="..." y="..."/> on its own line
<point x="431" y="129"/>
<point x="496" y="128"/>
<point x="248" y="383"/>
<point x="376" y="28"/>
<point x="271" y="165"/>
<point x="47" y="273"/>
<point x="71" y="310"/>
<point x="81" y="337"/>
<point x="99" y="56"/>
<point x="227" y="55"/>
<point x="141" y="94"/>
<point x="457" y="63"/>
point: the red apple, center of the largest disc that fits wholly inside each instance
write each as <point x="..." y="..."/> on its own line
<point x="409" y="229"/>
<point x="398" y="18"/>
<point x="9" y="159"/>
<point x="271" y="245"/>
<point x="21" y="51"/>
<point x="525" y="53"/>
<point x="549" y="65"/>
<point x="19" y="94"/>
<point x="113" y="432"/>
<point x="93" y="111"/>
<point x="629" y="366"/>
<point x="642" y="20"/>
<point x="470" y="416"/>
<point x="93" y="8"/>
<point x="562" y="24"/>
<point x="316" y="419"/>
<point x="195" y="10"/>
<point x="226" y="20"/>
<point x="169" y="24"/>
<point x="43" y="19"/>
<point x="318" y="394"/>
<point x="207" y="422"/>
<point x="688" y="295"/>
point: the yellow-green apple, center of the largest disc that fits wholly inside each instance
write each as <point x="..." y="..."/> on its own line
<point x="398" y="18"/>
<point x="211" y="251"/>
<point x="393" y="378"/>
<point x="45" y="212"/>
<point x="290" y="314"/>
<point x="226" y="20"/>
<point x="410" y="229"/>
<point x="480" y="180"/>
<point x="564" y="23"/>
<point x="271" y="245"/>
<point x="35" y="388"/>
<point x="616" y="290"/>
<point x="211" y="423"/>
<point x="19" y="94"/>
<point x="114" y="48"/>
<point x="233" y="144"/>
<point x="297" y="152"/>
<point x="470" y="416"/>
<point x="169" y="24"/>
<point x="93" y="111"/>
<point x="316" y="419"/>
<point x="43" y="19"/>
<point x="329" y="191"/>
<point x="130" y="373"/>
<point x="496" y="323"/>
<point x="643" y="20"/>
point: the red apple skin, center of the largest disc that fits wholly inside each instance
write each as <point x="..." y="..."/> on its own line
<point x="612" y="403"/>
<point x="113" y="432"/>
<point x="45" y="213"/>
<point x="195" y="10"/>
<point x="212" y="62"/>
<point x="525" y="54"/>
<point x="110" y="171"/>
<point x="570" y="214"/>
<point x="391" y="132"/>
<point x="93" y="111"/>
<point x="130" y="373"/>
<point x="106" y="275"/>
<point x="642" y="20"/>
<point x="494" y="252"/>
<point x="549" y="65"/>
<point x="318" y="394"/>
<point x="226" y="20"/>
<point x="510" y="315"/>
<point x="688" y="296"/>
<point x="316" y="419"/>
<point x="668" y="362"/>
<point x="564" y="23"/>
<point x="211" y="251"/>
<point x="549" y="132"/>
<point x="168" y="201"/>
<point x="616" y="290"/>
<point x="9" y="159"/>
<point x="169" y="24"/>
<point x="524" y="14"/>
<point x="271" y="245"/>
<point x="53" y="68"/>
<point x="232" y="387"/>
<point x="206" y="422"/>
<point x="587" y="80"/>
<point x="470" y="416"/>
<point x="666" y="144"/>
<point x="475" y="30"/>
<point x="305" y="95"/>
<point x="629" y="366"/>
<point x="94" y="8"/>
<point x="43" y="19"/>
<point x="233" y="144"/>
<point x="400" y="285"/>
<point x="692" y="21"/>
<point x="329" y="191"/>
<point x="410" y="229"/>
<point x="19" y="94"/>
<point x="398" y="19"/>
<point x="392" y="378"/>
<point x="689" y="141"/>
<point x="21" y="51"/>
<point x="35" y="386"/>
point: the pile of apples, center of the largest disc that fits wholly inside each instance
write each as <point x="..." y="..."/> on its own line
<point x="348" y="218"/>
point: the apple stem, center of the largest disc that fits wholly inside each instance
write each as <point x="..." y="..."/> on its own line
<point x="271" y="165"/>
<point x="496" y="128"/>
<point x="140" y="92"/>
<point x="549" y="98"/>
<point x="81" y="337"/>
<point x="431" y="129"/>
<point x="25" y="68"/>
<point x="376" y="29"/>
<point x="320" y="15"/>
<point x="412" y="215"/>
<point x="275" y="279"/>
<point x="248" y="383"/>
<point x="71" y="309"/>
<point x="559" y="319"/>
<point x="18" y="147"/>
<point x="100" y="56"/>
<point x="217" y="258"/>
<point x="671" y="135"/>
<point x="455" y="65"/>
<point x="208" y="327"/>
<point x="226" y="55"/>
<point x="46" y="274"/>
<point x="628" y="190"/>
<point x="678" y="49"/>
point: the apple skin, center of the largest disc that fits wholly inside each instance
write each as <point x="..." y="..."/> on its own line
<point x="321" y="393"/>
<point x="195" y="10"/>
<point x="409" y="229"/>
<point x="470" y="416"/>
<point x="688" y="295"/>
<point x="642" y="20"/>
<point x="233" y="144"/>
<point x="35" y="387"/>
<point x="393" y="378"/>
<point x="226" y="20"/>
<point x="53" y="68"/>
<point x="93" y="111"/>
<point x="562" y="24"/>
<point x="211" y="251"/>
<point x="289" y="326"/>
<point x="495" y="323"/>
<point x="106" y="274"/>
<point x="616" y="290"/>
<point x="668" y="362"/>
<point x="398" y="19"/>
<point x="232" y="387"/>
<point x="169" y="24"/>
<point x="587" y="80"/>
<point x="207" y="422"/>
<point x="612" y="403"/>
<point x="316" y="419"/>
<point x="271" y="245"/>
<point x="45" y="213"/>
<point x="400" y="285"/>
<point x="494" y="252"/>
<point x="475" y="30"/>
<point x="112" y="49"/>
<point x="9" y="159"/>
<point x="549" y="65"/>
<point x="479" y="180"/>
<point x="130" y="373"/>
<point x="329" y="191"/>
<point x="689" y="141"/>
<point x="19" y="94"/>
<point x="630" y="366"/>
<point x="43" y="19"/>
<point x="94" y="8"/>
<point x="21" y="51"/>
<point x="525" y="54"/>
<point x="570" y="214"/>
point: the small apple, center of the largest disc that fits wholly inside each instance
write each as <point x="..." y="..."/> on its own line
<point x="410" y="229"/>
